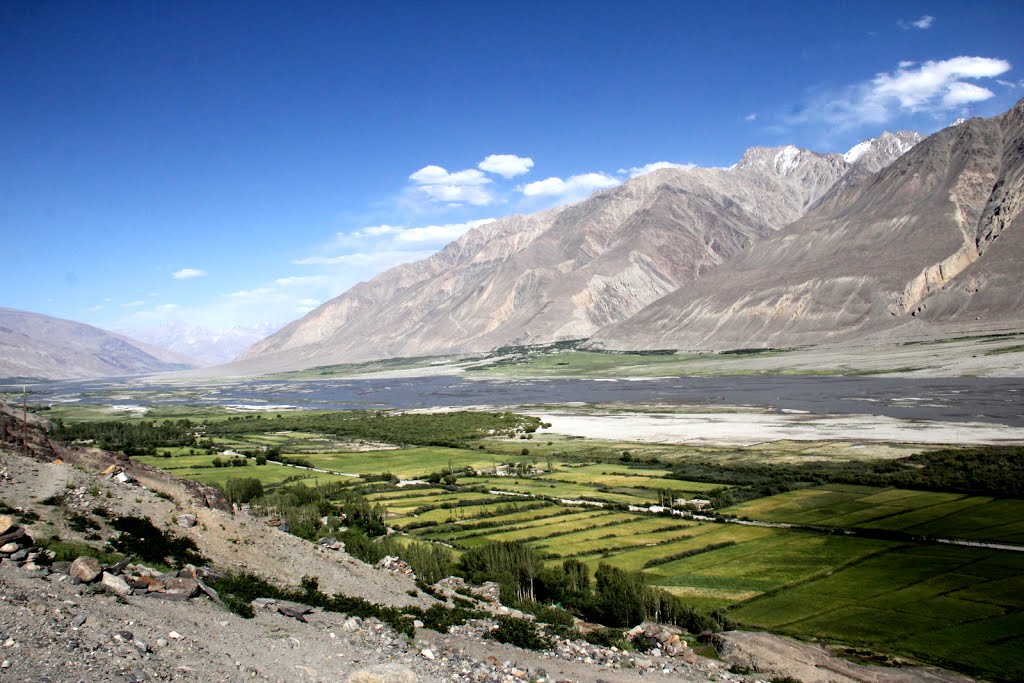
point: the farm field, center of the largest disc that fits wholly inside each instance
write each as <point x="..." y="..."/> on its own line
<point x="200" y="468"/>
<point x="960" y="607"/>
<point x="404" y="463"/>
<point x="924" y="513"/>
<point x="954" y="606"/>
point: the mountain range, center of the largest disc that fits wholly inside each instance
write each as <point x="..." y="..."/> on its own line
<point x="925" y="246"/>
<point x="568" y="272"/>
<point x="900" y="237"/>
<point x="38" y="346"/>
<point x="206" y="346"/>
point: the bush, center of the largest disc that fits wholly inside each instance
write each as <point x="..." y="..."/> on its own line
<point x="140" y="538"/>
<point x="519" y="632"/>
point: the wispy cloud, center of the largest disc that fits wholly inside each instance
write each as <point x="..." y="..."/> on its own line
<point x="383" y="259"/>
<point x="133" y="304"/>
<point x="752" y="116"/>
<point x="186" y="273"/>
<point x="931" y="87"/>
<point x="570" y="189"/>
<point x="301" y="280"/>
<point x="923" y="23"/>
<point x="636" y="171"/>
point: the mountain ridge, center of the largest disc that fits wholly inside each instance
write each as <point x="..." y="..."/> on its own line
<point x="870" y="259"/>
<point x="566" y="272"/>
<point x="41" y="346"/>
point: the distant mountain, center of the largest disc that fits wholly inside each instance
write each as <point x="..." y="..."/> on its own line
<point x="35" y="345"/>
<point x="567" y="272"/>
<point x="209" y="347"/>
<point x="933" y="242"/>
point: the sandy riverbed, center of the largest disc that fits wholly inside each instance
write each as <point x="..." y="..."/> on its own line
<point x="750" y="428"/>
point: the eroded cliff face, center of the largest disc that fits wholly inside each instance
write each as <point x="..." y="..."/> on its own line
<point x="929" y="240"/>
<point x="567" y="272"/>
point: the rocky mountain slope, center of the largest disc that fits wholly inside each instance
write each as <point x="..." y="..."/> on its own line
<point x="202" y="344"/>
<point x="35" y="345"/>
<point x="927" y="244"/>
<point x="564" y="273"/>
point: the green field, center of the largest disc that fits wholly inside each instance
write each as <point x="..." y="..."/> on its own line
<point x="889" y="588"/>
<point x="960" y="607"/>
<point x="924" y="513"/>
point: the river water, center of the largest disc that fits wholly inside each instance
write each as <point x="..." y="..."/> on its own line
<point x="996" y="400"/>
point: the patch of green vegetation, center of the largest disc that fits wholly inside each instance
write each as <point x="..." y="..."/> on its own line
<point x="1006" y="349"/>
<point x="140" y="538"/>
<point x="911" y="601"/>
<point x="69" y="551"/>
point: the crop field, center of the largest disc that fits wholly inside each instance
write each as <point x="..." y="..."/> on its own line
<point x="958" y="606"/>
<point x="900" y="593"/>
<point x="200" y="468"/>
<point x="405" y="463"/>
<point x="924" y="513"/>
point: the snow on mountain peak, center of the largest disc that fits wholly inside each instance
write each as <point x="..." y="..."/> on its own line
<point x="857" y="151"/>
<point x="787" y="159"/>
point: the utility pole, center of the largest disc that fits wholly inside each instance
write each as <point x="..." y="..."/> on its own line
<point x="24" y="420"/>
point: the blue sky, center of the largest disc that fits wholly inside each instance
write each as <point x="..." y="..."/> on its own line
<point x="234" y="163"/>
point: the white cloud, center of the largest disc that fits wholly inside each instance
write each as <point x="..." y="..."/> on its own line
<point x="133" y="304"/>
<point x="398" y="235"/>
<point x="506" y="165"/>
<point x="309" y="302"/>
<point x="301" y="280"/>
<point x="752" y="116"/>
<point x="964" y="93"/>
<point x="186" y="273"/>
<point x="462" y="186"/>
<point x="383" y="259"/>
<point x="438" y="233"/>
<point x="656" y="166"/>
<point x="257" y="293"/>
<point x="573" y="187"/>
<point x="925" y="22"/>
<point x="932" y="86"/>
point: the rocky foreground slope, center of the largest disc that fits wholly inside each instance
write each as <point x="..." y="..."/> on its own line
<point x="931" y="245"/>
<point x="86" y="621"/>
<point x="564" y="273"/>
<point x="39" y="346"/>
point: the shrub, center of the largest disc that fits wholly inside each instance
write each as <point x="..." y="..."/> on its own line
<point x="519" y="632"/>
<point x="140" y="538"/>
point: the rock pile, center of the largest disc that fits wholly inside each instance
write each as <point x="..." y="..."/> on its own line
<point x="16" y="545"/>
<point x="332" y="543"/>
<point x="661" y="639"/>
<point x="122" y="578"/>
<point x="490" y="591"/>
<point x="396" y="565"/>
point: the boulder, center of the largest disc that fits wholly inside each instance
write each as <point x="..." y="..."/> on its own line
<point x="175" y="585"/>
<point x="85" y="569"/>
<point x="16" y="534"/>
<point x="385" y="673"/>
<point x="8" y="548"/>
<point x="116" y="583"/>
<point x="6" y="523"/>
<point x="186" y="520"/>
